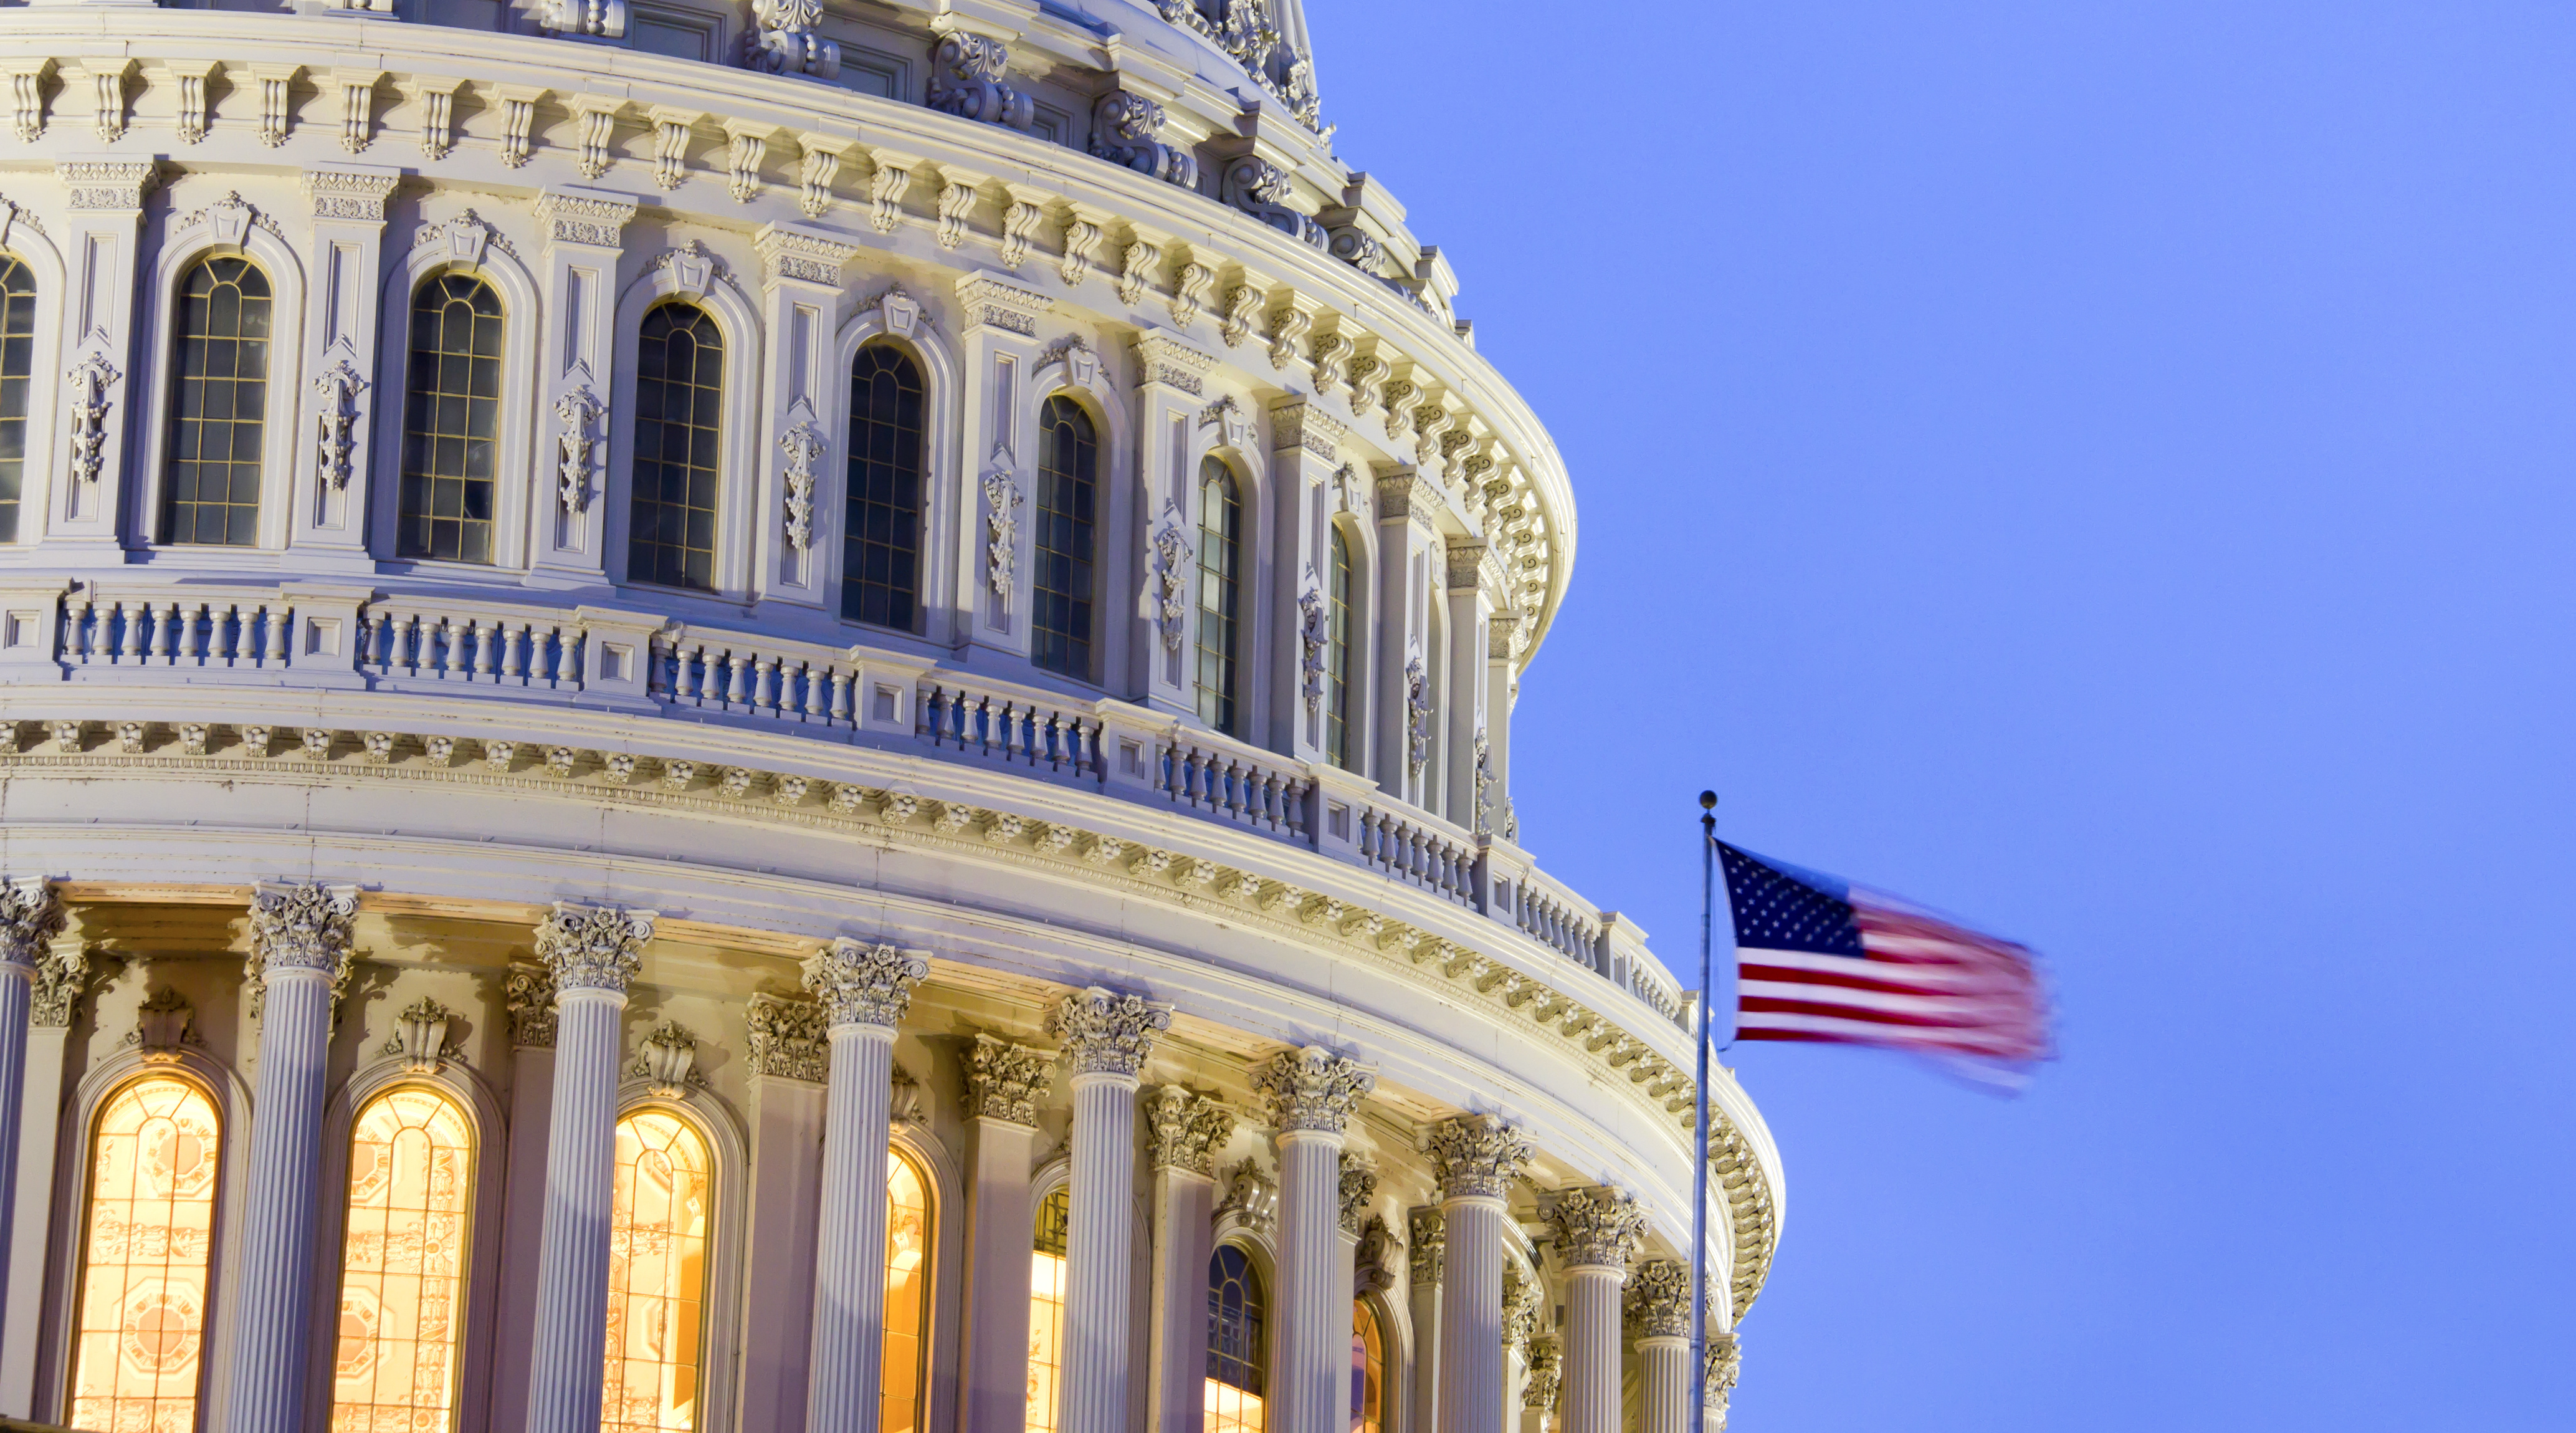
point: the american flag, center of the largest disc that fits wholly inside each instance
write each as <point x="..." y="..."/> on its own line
<point x="1819" y="960"/>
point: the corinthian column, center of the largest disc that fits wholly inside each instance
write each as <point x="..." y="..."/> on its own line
<point x="1311" y="1094"/>
<point x="865" y="990"/>
<point x="1659" y="1307"/>
<point x="299" y="952"/>
<point x="592" y="952"/>
<point x="30" y="917"/>
<point x="1106" y="1039"/>
<point x="1725" y="1362"/>
<point x="1183" y="1132"/>
<point x="1478" y="1158"/>
<point x="1003" y="1082"/>
<point x="1597" y="1233"/>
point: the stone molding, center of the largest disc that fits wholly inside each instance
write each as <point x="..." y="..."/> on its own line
<point x="584" y="216"/>
<point x="862" y="984"/>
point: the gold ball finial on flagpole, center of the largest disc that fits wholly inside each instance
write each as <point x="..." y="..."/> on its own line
<point x="1708" y="801"/>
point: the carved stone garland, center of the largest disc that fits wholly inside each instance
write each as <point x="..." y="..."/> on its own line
<point x="1002" y="500"/>
<point x="803" y="445"/>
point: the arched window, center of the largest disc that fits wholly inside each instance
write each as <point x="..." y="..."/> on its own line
<point x="1220" y="592"/>
<point x="659" y="1220"/>
<point x="907" y="1295"/>
<point x="1068" y="501"/>
<point x="219" y="405"/>
<point x="1368" y="1371"/>
<point x="1237" y="1353"/>
<point x="451" y="421"/>
<point x="679" y="400"/>
<point x="881" y="521"/>
<point x="149" y="1236"/>
<point x="17" y="369"/>
<point x="402" y="1272"/>
<point x="1337" y="655"/>
<point x="1046" y="1310"/>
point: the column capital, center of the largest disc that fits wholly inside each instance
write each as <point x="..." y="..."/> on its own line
<point x="1429" y="1229"/>
<point x="301" y="927"/>
<point x="1359" y="1186"/>
<point x="1597" y="1228"/>
<point x="1659" y="1299"/>
<point x="787" y="1039"/>
<point x="31" y="915"/>
<point x="1313" y="1089"/>
<point x="1546" y="1374"/>
<point x="1725" y="1365"/>
<point x="61" y="976"/>
<point x="1522" y="1297"/>
<point x="862" y="984"/>
<point x="1478" y="1156"/>
<point x="594" y="218"/>
<point x="1003" y="1080"/>
<point x="1106" y="1033"/>
<point x="1186" y="1130"/>
<point x="593" y="947"/>
<point x="528" y="994"/>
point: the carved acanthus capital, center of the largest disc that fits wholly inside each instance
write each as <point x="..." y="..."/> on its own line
<point x="528" y="994"/>
<point x="1184" y="1130"/>
<point x="1105" y="1033"/>
<point x="1405" y="493"/>
<point x="1600" y="1228"/>
<point x="786" y="1039"/>
<point x="1430" y="1231"/>
<point x="1161" y="358"/>
<point x="862" y="984"/>
<point x="31" y="915"/>
<point x="1725" y="1365"/>
<point x="302" y="927"/>
<point x="1003" y="1081"/>
<point x="593" y="947"/>
<point x="61" y="975"/>
<point x="1546" y="1375"/>
<point x="1359" y="1186"/>
<point x="1659" y="1299"/>
<point x="1312" y="1089"/>
<point x="1478" y="1156"/>
<point x="1522" y="1297"/>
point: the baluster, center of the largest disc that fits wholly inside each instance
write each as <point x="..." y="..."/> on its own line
<point x="488" y="635"/>
<point x="575" y="652"/>
<point x="818" y="694"/>
<point x="130" y="614"/>
<point x="764" y="685"/>
<point x="192" y="642"/>
<point x="165" y="634"/>
<point x="737" y="679"/>
<point x="841" y="710"/>
<point x="1231" y="789"/>
<point x="279" y="620"/>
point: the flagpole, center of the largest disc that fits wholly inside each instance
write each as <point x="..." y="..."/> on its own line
<point x="1699" y="1116"/>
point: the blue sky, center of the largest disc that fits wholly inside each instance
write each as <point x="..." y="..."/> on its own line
<point x="2103" y="469"/>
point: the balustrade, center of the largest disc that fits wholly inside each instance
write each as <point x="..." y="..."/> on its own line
<point x="188" y="630"/>
<point x="1017" y="728"/>
<point x="469" y="642"/>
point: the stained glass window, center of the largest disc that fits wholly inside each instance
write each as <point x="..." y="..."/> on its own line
<point x="907" y="1294"/>
<point x="402" y="1279"/>
<point x="679" y="402"/>
<point x="1220" y="592"/>
<point x="1237" y="1356"/>
<point x="451" y="420"/>
<point x="881" y="522"/>
<point x="219" y="405"/>
<point x="659" y="1219"/>
<point x="17" y="369"/>
<point x="1046" y="1310"/>
<point x="1337" y="656"/>
<point x="141" y="1319"/>
<point x="1067" y="506"/>
<point x="1368" y="1372"/>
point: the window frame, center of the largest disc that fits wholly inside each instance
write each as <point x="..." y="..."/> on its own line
<point x="746" y="527"/>
<point x="835" y="474"/>
<point x="719" y="1368"/>
<point x="148" y="446"/>
<point x="1105" y="532"/>
<point x="946" y="602"/>
<point x="1233" y="707"/>
<point x="1258" y="1257"/>
<point x="398" y="423"/>
<point x="37" y="515"/>
<point x="513" y="517"/>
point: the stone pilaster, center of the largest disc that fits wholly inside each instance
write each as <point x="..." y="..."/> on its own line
<point x="1183" y="1132"/>
<point x="528" y="1000"/>
<point x="1597" y="1233"/>
<point x="584" y="239"/>
<point x="1478" y="1157"/>
<point x="82" y="490"/>
<point x="865" y="990"/>
<point x="998" y="319"/>
<point x="592" y="953"/>
<point x="801" y="388"/>
<point x="345" y="396"/>
<point x="300" y="942"/>
<point x="30" y="917"/>
<point x="1426" y="1265"/>
<point x="1171" y="403"/>
<point x="1003" y="1082"/>
<point x="1106" y="1038"/>
<point x="62" y="973"/>
<point x="1659" y="1310"/>
<point x="1311" y="1094"/>
<point x="790" y="1059"/>
<point x="1411" y="575"/>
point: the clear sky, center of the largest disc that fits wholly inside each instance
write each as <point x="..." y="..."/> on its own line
<point x="2103" y="469"/>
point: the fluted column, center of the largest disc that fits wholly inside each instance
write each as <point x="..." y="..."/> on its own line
<point x="299" y="951"/>
<point x="1478" y="1158"/>
<point x="592" y="954"/>
<point x="1311" y="1094"/>
<point x="1003" y="1082"/>
<point x="1183" y="1132"/>
<point x="30" y="917"/>
<point x="1659" y="1307"/>
<point x="1106" y="1038"/>
<point x="1425" y="1268"/>
<point x="1597" y="1233"/>
<point x="865" y="990"/>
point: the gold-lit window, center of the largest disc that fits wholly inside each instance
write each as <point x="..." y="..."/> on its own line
<point x="1368" y="1372"/>
<point x="1046" y="1310"/>
<point x="142" y="1311"/>
<point x="907" y="1294"/>
<point x="658" y="1223"/>
<point x="1238" y="1351"/>
<point x="402" y="1280"/>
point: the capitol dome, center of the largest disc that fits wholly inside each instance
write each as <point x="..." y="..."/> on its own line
<point x="789" y="718"/>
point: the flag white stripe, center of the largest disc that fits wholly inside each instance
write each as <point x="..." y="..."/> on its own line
<point x="1889" y="1002"/>
<point x="1870" y="1033"/>
<point x="1860" y="968"/>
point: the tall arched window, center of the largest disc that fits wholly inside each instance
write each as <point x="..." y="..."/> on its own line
<point x="149" y="1236"/>
<point x="1220" y="592"/>
<point x="881" y="521"/>
<point x="218" y="405"/>
<point x="907" y="1295"/>
<point x="1337" y="655"/>
<point x="17" y="369"/>
<point x="1237" y="1351"/>
<point x="1068" y="502"/>
<point x="451" y="421"/>
<point x="660" y="1216"/>
<point x="1046" y="1310"/>
<point x="679" y="402"/>
<point x="402" y="1271"/>
<point x="1368" y="1371"/>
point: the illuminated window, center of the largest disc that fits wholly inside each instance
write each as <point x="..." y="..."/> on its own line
<point x="1220" y="592"/>
<point x="17" y="369"/>
<point x="1236" y="1353"/>
<point x="657" y="1269"/>
<point x="219" y="406"/>
<point x="1046" y="1311"/>
<point x="907" y="1294"/>
<point x="679" y="403"/>
<point x="411" y="1187"/>
<point x="881" y="522"/>
<point x="1368" y="1372"/>
<point x="1068" y="499"/>
<point x="451" y="421"/>
<point x="1337" y="657"/>
<point x="142" y="1311"/>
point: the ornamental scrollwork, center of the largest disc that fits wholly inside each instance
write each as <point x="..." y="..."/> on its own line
<point x="1106" y="1033"/>
<point x="803" y="445"/>
<point x="1127" y="129"/>
<point x="786" y="38"/>
<point x="579" y="410"/>
<point x="90" y="380"/>
<point x="528" y="994"/>
<point x="1313" y="635"/>
<point x="1260" y="188"/>
<point x="420" y="1037"/>
<point x="668" y="1060"/>
<point x="1172" y="557"/>
<point x="1002" y="500"/>
<point x="339" y="388"/>
<point x="966" y="73"/>
<point x="1312" y="1089"/>
<point x="863" y="984"/>
<point x="1417" y="717"/>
